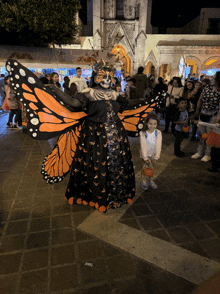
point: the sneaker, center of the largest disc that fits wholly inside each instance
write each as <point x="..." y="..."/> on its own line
<point x="196" y="156"/>
<point x="144" y="186"/>
<point x="206" y="158"/>
<point x="7" y="125"/>
<point x="153" y="185"/>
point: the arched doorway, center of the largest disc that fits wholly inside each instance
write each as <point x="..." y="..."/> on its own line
<point x="121" y="55"/>
<point x="191" y="67"/>
<point x="164" y="71"/>
<point x="149" y="69"/>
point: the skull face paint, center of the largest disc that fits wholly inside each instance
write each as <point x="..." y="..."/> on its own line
<point x="106" y="81"/>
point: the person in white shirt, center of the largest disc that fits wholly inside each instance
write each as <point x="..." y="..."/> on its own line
<point x="80" y="82"/>
<point x="150" y="147"/>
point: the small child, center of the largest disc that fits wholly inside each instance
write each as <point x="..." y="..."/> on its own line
<point x="150" y="147"/>
<point x="181" y="120"/>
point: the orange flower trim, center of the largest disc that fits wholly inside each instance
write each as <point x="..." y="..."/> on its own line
<point x="92" y="204"/>
<point x="70" y="201"/>
<point x="130" y="201"/>
<point x="97" y="206"/>
<point x="65" y="198"/>
<point x="79" y="201"/>
<point x="102" y="208"/>
<point x="85" y="203"/>
<point x="205" y="136"/>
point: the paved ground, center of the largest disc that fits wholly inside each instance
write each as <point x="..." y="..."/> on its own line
<point x="44" y="247"/>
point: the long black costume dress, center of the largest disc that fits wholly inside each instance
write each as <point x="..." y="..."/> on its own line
<point x="102" y="173"/>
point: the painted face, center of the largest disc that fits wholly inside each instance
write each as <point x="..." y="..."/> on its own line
<point x="152" y="125"/>
<point x="106" y="81"/>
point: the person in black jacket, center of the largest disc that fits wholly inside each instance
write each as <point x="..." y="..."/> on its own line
<point x="141" y="82"/>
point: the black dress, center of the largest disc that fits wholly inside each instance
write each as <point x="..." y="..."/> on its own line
<point x="102" y="173"/>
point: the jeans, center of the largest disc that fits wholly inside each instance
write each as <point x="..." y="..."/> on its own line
<point x="170" y="112"/>
<point x="13" y="112"/>
<point x="179" y="136"/>
<point x="203" y="148"/>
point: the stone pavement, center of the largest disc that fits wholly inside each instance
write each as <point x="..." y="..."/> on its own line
<point x="48" y="246"/>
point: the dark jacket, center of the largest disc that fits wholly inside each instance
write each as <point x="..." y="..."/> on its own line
<point x="141" y="83"/>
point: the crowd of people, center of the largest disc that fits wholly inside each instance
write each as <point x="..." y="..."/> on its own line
<point x="184" y="103"/>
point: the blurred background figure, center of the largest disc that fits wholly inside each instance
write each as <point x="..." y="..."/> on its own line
<point x="2" y="92"/>
<point x="54" y="80"/>
<point x="66" y="85"/>
<point x="140" y="82"/>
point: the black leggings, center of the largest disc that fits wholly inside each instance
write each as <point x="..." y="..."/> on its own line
<point x="15" y="112"/>
<point x="170" y="112"/>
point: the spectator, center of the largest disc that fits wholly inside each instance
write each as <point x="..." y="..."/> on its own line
<point x="131" y="90"/>
<point x="2" y="92"/>
<point x="66" y="85"/>
<point x="161" y="86"/>
<point x="175" y="91"/>
<point x="208" y="111"/>
<point x="141" y="82"/>
<point x="202" y="78"/>
<point x="205" y="82"/>
<point x="54" y="78"/>
<point x="45" y="79"/>
<point x="13" y="104"/>
<point x="150" y="147"/>
<point x="79" y="81"/>
<point x="193" y="98"/>
<point x="180" y="120"/>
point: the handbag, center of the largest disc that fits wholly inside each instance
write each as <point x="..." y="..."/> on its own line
<point x="5" y="105"/>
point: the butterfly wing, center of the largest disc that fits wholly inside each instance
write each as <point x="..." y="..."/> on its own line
<point x="57" y="165"/>
<point x="48" y="116"/>
<point x="133" y="119"/>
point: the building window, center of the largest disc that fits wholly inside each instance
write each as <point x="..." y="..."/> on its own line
<point x="213" y="26"/>
<point x="120" y="9"/>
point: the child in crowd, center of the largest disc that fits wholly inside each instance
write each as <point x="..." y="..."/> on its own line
<point x="181" y="120"/>
<point x="150" y="147"/>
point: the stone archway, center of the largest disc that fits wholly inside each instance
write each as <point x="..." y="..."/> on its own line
<point x="121" y="55"/>
<point x="149" y="69"/>
<point x="193" y="66"/>
<point x="164" y="71"/>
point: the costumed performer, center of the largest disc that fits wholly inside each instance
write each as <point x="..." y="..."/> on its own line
<point x="92" y="144"/>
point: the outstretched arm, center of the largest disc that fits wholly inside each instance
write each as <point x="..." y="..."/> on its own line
<point x="64" y="97"/>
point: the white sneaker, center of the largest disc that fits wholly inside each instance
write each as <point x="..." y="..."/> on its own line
<point x="196" y="156"/>
<point x="206" y="158"/>
<point x="144" y="186"/>
<point x="153" y="185"/>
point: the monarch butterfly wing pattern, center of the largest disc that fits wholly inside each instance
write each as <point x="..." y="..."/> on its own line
<point x="57" y="165"/>
<point x="48" y="116"/>
<point x="133" y="119"/>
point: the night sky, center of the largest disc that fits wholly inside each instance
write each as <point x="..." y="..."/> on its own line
<point x="170" y="13"/>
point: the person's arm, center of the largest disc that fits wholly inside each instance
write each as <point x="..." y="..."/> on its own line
<point x="158" y="145"/>
<point x="143" y="146"/>
<point x="64" y="97"/>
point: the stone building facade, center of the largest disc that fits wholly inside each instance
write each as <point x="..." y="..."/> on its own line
<point x="121" y="26"/>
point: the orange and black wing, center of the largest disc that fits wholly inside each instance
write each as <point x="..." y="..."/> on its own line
<point x="48" y="116"/>
<point x="58" y="163"/>
<point x="132" y="119"/>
